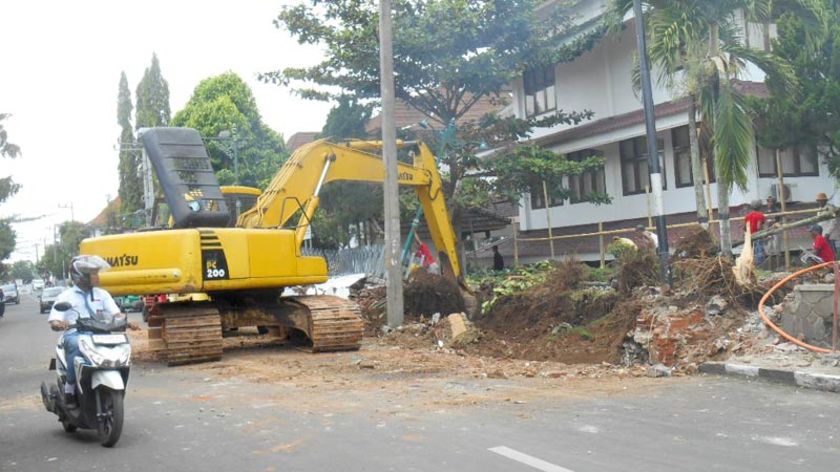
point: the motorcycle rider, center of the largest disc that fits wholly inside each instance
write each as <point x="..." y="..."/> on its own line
<point x="87" y="300"/>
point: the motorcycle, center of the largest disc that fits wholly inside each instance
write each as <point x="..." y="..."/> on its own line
<point x="101" y="377"/>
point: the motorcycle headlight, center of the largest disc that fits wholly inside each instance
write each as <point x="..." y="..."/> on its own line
<point x="123" y="356"/>
<point x="89" y="351"/>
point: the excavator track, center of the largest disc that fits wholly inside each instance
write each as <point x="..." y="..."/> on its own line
<point x="335" y="324"/>
<point x="191" y="333"/>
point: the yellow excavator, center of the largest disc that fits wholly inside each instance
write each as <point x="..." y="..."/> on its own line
<point x="240" y="272"/>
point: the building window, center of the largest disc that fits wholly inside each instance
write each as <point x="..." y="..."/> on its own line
<point x="635" y="177"/>
<point x="799" y="161"/>
<point x="538" y="198"/>
<point x="582" y="186"/>
<point x="683" y="172"/>
<point x="539" y="90"/>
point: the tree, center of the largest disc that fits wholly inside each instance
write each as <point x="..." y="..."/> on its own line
<point x="23" y="270"/>
<point x="56" y="258"/>
<point x="808" y="117"/>
<point x="131" y="184"/>
<point x="7" y="188"/>
<point x="704" y="38"/>
<point x="7" y="239"/>
<point x="152" y="98"/>
<point x="225" y="103"/>
<point x="347" y="209"/>
<point x="448" y="55"/>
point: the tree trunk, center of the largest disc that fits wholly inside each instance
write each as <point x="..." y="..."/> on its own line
<point x="696" y="165"/>
<point x="723" y="216"/>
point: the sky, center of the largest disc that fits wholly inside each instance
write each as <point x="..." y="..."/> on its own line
<point x="61" y="64"/>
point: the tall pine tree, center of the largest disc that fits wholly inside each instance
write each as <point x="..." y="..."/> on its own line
<point x="152" y="98"/>
<point x="131" y="186"/>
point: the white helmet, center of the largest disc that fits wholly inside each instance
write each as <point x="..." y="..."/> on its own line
<point x="82" y="266"/>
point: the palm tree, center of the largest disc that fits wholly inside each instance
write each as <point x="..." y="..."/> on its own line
<point x="698" y="42"/>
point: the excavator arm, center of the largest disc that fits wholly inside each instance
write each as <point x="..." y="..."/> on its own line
<point x="295" y="188"/>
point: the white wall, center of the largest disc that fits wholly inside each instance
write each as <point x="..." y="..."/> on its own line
<point x="676" y="200"/>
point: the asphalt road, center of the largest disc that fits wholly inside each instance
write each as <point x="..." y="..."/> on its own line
<point x="695" y="424"/>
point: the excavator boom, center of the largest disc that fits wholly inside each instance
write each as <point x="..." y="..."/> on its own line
<point x="296" y="186"/>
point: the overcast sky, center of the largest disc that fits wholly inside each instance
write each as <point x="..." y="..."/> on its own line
<point x="61" y="64"/>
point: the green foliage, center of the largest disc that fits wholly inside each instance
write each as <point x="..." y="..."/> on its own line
<point x="566" y="329"/>
<point x="152" y="98"/>
<point x="131" y="184"/>
<point x="702" y="41"/>
<point x="511" y="282"/>
<point x="7" y="239"/>
<point x="621" y="249"/>
<point x="346" y="120"/>
<point x="225" y="104"/>
<point x="525" y="168"/>
<point x="808" y="115"/>
<point x="23" y="270"/>
<point x="57" y="256"/>
<point x="7" y="186"/>
<point x="448" y="55"/>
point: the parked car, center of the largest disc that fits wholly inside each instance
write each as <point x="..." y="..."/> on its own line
<point x="38" y="285"/>
<point x="11" y="294"/>
<point x="129" y="303"/>
<point x="48" y="296"/>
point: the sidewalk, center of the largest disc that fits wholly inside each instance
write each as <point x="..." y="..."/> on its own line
<point x="787" y="364"/>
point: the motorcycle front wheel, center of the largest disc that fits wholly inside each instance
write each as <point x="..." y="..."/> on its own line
<point x="111" y="422"/>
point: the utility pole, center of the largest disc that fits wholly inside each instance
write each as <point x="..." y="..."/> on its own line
<point x="653" y="153"/>
<point x="393" y="277"/>
<point x="148" y="182"/>
<point x="72" y="213"/>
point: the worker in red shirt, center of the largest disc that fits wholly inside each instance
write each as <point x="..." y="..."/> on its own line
<point x="821" y="246"/>
<point x="755" y="220"/>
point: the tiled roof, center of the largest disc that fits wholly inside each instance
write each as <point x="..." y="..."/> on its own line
<point x="101" y="220"/>
<point x="406" y="115"/>
<point x="299" y="139"/>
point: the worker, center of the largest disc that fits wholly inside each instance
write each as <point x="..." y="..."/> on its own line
<point x="647" y="239"/>
<point x="498" y="261"/>
<point x="821" y="246"/>
<point x="772" y="205"/>
<point x="830" y="227"/>
<point x="773" y="248"/>
<point x="423" y="253"/>
<point x="88" y="301"/>
<point x="754" y="221"/>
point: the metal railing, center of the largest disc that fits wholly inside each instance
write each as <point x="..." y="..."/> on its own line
<point x="363" y="259"/>
<point x="601" y="233"/>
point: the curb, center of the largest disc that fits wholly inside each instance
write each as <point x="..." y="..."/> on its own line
<point x="824" y="382"/>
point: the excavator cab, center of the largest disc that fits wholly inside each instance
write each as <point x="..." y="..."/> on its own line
<point x="186" y="177"/>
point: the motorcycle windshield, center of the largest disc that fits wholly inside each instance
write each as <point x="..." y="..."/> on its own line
<point x="100" y="326"/>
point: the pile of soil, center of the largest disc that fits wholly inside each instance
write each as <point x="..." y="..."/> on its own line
<point x="696" y="243"/>
<point x="557" y="320"/>
<point x="423" y="296"/>
<point x="637" y="269"/>
<point x="427" y="294"/>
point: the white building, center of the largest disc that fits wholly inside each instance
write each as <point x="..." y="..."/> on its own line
<point x="600" y="81"/>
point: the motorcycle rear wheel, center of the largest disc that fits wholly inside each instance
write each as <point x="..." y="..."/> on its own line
<point x="110" y="425"/>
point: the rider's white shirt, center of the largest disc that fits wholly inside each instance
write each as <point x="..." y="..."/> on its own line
<point x="101" y="305"/>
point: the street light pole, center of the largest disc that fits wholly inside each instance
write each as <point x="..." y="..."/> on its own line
<point x="394" y="293"/>
<point x="653" y="154"/>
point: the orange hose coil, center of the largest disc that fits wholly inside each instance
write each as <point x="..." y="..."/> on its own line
<point x="778" y="330"/>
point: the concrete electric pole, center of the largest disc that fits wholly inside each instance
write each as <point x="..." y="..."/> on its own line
<point x="653" y="153"/>
<point x="393" y="274"/>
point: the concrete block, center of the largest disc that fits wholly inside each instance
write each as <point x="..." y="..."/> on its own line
<point x="741" y="369"/>
<point x="826" y="382"/>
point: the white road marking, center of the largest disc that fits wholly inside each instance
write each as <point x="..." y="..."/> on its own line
<point x="531" y="461"/>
